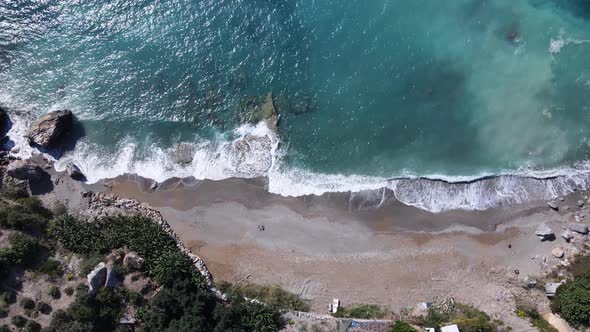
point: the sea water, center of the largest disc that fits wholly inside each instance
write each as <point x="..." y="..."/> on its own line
<point x="490" y="96"/>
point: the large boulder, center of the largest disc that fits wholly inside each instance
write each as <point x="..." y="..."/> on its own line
<point x="544" y="232"/>
<point x="133" y="260"/>
<point x="579" y="228"/>
<point x="113" y="280"/>
<point x="25" y="170"/>
<point x="98" y="277"/>
<point x="183" y="153"/>
<point x="47" y="131"/>
<point x="74" y="172"/>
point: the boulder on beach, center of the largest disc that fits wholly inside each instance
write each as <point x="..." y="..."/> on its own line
<point x="567" y="235"/>
<point x="557" y="252"/>
<point x="544" y="232"/>
<point x="579" y="228"/>
<point x="74" y="172"/>
<point x="580" y="203"/>
<point x="47" y="131"/>
<point x="97" y="277"/>
<point x="25" y="170"/>
<point x="553" y="205"/>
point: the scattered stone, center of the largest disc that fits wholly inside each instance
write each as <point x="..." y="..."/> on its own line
<point x="579" y="228"/>
<point x="98" y="277"/>
<point x="531" y="283"/>
<point x="557" y="252"/>
<point x="565" y="208"/>
<point x="567" y="235"/>
<point x="561" y="199"/>
<point x="580" y="203"/>
<point x="133" y="260"/>
<point x="154" y="185"/>
<point x="544" y="232"/>
<point x="74" y="172"/>
<point x="553" y="205"/>
<point x="25" y="170"/>
<point x="49" y="128"/>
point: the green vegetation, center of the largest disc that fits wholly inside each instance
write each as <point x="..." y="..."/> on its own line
<point x="137" y="233"/>
<point x="18" y="321"/>
<point x="26" y="214"/>
<point x="43" y="308"/>
<point x="27" y="303"/>
<point x="32" y="326"/>
<point x="69" y="291"/>
<point x="529" y="310"/>
<point x="54" y="292"/>
<point x="467" y="317"/>
<point x="400" y="326"/>
<point x="52" y="268"/>
<point x="580" y="266"/>
<point x="363" y="311"/>
<point x="273" y="296"/>
<point x="572" y="301"/>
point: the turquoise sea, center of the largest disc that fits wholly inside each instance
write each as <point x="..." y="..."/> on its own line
<point x="490" y="96"/>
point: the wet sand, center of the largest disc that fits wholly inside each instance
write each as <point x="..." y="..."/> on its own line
<point x="358" y="248"/>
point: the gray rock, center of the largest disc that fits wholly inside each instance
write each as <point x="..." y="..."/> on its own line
<point x="26" y="170"/>
<point x="531" y="283"/>
<point x="553" y="205"/>
<point x="561" y="199"/>
<point x="580" y="203"/>
<point x="154" y="185"/>
<point x="3" y="122"/>
<point x="579" y="228"/>
<point x="133" y="260"/>
<point x="73" y="171"/>
<point x="544" y="232"/>
<point x="567" y="235"/>
<point x="49" y="128"/>
<point x="98" y="277"/>
<point x="183" y="153"/>
<point x="113" y="280"/>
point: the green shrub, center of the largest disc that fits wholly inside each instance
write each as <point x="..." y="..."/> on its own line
<point x="3" y="312"/>
<point x="5" y="328"/>
<point x="580" y="266"/>
<point x="8" y="297"/>
<point x="18" y="321"/>
<point x="32" y="326"/>
<point x="362" y="311"/>
<point x="572" y="301"/>
<point x="270" y="295"/>
<point x="24" y="249"/>
<point x="29" y="215"/>
<point x="52" y="268"/>
<point x="54" y="292"/>
<point x="43" y="308"/>
<point x="400" y="326"/>
<point x="470" y="319"/>
<point x="27" y="303"/>
<point x="89" y="263"/>
<point x="69" y="291"/>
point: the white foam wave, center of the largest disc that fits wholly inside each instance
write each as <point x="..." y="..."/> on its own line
<point x="252" y="151"/>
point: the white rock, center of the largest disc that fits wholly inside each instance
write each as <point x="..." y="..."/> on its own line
<point x="98" y="277"/>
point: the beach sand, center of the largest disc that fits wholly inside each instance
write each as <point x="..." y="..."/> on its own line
<point x="341" y="246"/>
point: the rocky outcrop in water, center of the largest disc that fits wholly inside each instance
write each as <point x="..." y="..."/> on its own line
<point x="3" y="122"/>
<point x="48" y="130"/>
<point x="183" y="153"/>
<point x="26" y="170"/>
<point x="255" y="110"/>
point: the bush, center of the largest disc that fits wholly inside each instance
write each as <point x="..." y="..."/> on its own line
<point x="580" y="267"/>
<point x="43" y="308"/>
<point x="18" y="321"/>
<point x="89" y="263"/>
<point x="52" y="268"/>
<point x="572" y="301"/>
<point x="470" y="319"/>
<point x="362" y="311"/>
<point x="8" y="297"/>
<point x="23" y="250"/>
<point x="28" y="215"/>
<point x="27" y="303"/>
<point x="5" y="328"/>
<point x="400" y="326"/>
<point x="69" y="291"/>
<point x="32" y="326"/>
<point x="54" y="292"/>
<point x="270" y="295"/>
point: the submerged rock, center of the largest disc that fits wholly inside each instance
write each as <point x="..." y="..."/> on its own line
<point x="49" y="128"/>
<point x="253" y="110"/>
<point x="544" y="232"/>
<point x="98" y="277"/>
<point x="579" y="228"/>
<point x="553" y="205"/>
<point x="26" y="170"/>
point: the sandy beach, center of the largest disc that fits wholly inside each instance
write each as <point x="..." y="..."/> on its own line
<point x="345" y="246"/>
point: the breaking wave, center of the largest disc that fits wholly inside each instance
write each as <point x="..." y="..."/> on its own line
<point x="253" y="151"/>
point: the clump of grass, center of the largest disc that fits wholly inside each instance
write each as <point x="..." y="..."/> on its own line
<point x="271" y="295"/>
<point x="362" y="311"/>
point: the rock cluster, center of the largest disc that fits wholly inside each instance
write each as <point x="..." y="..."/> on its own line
<point x="25" y="170"/>
<point x="133" y="260"/>
<point x="48" y="130"/>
